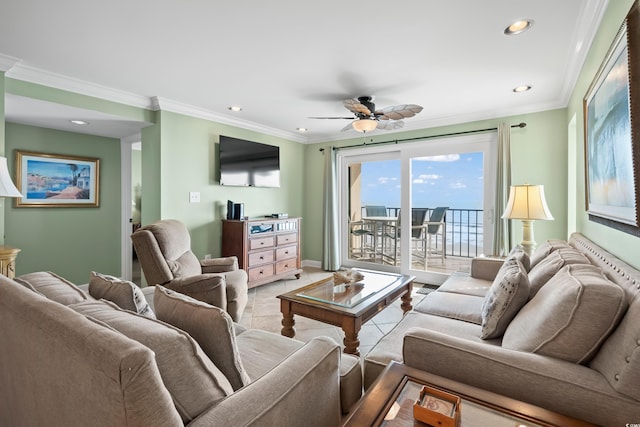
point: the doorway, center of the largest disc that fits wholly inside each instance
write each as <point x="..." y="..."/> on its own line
<point x="437" y="193"/>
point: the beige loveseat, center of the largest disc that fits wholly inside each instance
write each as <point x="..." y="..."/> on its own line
<point x="69" y="359"/>
<point x="567" y="336"/>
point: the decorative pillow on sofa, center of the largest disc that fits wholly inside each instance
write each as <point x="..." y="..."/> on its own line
<point x="551" y="264"/>
<point x="507" y="294"/>
<point x="194" y="382"/>
<point x="52" y="286"/>
<point x="519" y="254"/>
<point x="123" y="293"/>
<point x="546" y="248"/>
<point x="569" y="317"/>
<point x="210" y="326"/>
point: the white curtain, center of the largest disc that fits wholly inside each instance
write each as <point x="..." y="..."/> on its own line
<point x="331" y="236"/>
<point x="502" y="227"/>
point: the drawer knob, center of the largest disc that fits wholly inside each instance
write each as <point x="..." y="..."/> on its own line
<point x="261" y="257"/>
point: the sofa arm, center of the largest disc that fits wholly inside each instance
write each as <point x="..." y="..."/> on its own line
<point x="485" y="268"/>
<point x="303" y="390"/>
<point x="219" y="265"/>
<point x="564" y="387"/>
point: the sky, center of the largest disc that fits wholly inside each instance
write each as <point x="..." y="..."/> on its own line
<point x="453" y="180"/>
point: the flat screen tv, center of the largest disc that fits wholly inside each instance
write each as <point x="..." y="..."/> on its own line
<point x="248" y="164"/>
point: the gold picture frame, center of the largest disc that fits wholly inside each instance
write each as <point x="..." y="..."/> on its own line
<point x="56" y="180"/>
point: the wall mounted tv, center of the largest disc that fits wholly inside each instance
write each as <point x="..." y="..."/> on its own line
<point x="248" y="164"/>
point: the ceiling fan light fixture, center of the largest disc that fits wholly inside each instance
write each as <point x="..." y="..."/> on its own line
<point x="365" y="125"/>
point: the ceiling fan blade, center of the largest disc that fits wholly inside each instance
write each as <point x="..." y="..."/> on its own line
<point x="390" y="124"/>
<point x="347" y="127"/>
<point x="356" y="107"/>
<point x="331" y="118"/>
<point x="398" y="112"/>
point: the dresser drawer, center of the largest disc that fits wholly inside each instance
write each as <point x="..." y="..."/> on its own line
<point x="261" y="257"/>
<point x="259" y="273"/>
<point x="286" y="265"/>
<point x="286" y="253"/>
<point x="285" y="239"/>
<point x="263" y="242"/>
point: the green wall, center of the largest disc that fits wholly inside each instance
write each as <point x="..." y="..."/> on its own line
<point x="625" y="246"/>
<point x="68" y="241"/>
<point x="186" y="150"/>
<point x="3" y="202"/>
<point x="538" y="153"/>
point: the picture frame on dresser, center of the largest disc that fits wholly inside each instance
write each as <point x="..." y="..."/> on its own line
<point x="611" y="132"/>
<point x="57" y="180"/>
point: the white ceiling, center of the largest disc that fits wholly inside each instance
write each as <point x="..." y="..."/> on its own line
<point x="284" y="61"/>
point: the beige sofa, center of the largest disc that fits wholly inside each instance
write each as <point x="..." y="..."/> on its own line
<point x="69" y="359"/>
<point x="566" y="338"/>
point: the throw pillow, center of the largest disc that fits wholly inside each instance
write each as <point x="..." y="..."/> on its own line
<point x="519" y="254"/>
<point x="52" y="286"/>
<point x="570" y="316"/>
<point x="210" y="326"/>
<point x="545" y="249"/>
<point x="123" y="293"/>
<point x="551" y="264"/>
<point x="194" y="382"/>
<point x="507" y="294"/>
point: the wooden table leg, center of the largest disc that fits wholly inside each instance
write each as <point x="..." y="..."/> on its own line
<point x="406" y="299"/>
<point x="288" y="323"/>
<point x="351" y="342"/>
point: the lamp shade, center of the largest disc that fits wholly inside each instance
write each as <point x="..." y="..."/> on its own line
<point x="365" y="125"/>
<point x="7" y="189"/>
<point x="527" y="202"/>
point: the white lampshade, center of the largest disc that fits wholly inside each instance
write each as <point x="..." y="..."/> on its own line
<point x="7" y="189"/>
<point x="365" y="125"/>
<point x="527" y="202"/>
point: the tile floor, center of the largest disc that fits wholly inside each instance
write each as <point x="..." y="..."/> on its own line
<point x="263" y="312"/>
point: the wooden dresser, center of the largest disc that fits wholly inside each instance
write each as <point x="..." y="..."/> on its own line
<point x="267" y="248"/>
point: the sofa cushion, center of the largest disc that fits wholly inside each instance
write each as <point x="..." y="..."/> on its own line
<point x="53" y="287"/>
<point x="551" y="264"/>
<point x="463" y="307"/>
<point x="123" y="293"/>
<point x="546" y="248"/>
<point x="507" y="295"/>
<point x="193" y="381"/>
<point x="569" y="317"/>
<point x="210" y="326"/>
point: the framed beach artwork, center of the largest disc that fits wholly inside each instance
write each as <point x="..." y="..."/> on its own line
<point x="52" y="180"/>
<point x="612" y="132"/>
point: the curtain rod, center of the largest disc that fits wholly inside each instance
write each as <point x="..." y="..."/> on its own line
<point x="395" y="141"/>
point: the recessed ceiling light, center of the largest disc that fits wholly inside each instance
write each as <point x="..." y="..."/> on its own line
<point x="518" y="27"/>
<point x="522" y="88"/>
<point x="79" y="122"/>
<point x="235" y="108"/>
<point x="302" y="129"/>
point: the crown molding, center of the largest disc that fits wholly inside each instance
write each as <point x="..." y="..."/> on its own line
<point x="82" y="87"/>
<point x="590" y="17"/>
<point x="8" y="62"/>
<point x="164" y="104"/>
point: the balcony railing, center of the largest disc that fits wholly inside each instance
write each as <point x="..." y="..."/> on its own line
<point x="465" y="232"/>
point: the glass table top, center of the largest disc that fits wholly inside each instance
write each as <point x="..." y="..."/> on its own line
<point x="350" y="295"/>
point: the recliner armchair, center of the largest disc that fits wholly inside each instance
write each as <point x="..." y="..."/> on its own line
<point x="164" y="251"/>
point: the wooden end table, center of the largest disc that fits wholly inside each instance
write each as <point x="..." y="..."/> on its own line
<point x="389" y="402"/>
<point x="348" y="307"/>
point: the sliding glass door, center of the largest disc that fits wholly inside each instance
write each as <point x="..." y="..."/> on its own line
<point x="419" y="208"/>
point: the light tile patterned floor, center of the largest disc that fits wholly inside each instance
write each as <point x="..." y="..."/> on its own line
<point x="263" y="312"/>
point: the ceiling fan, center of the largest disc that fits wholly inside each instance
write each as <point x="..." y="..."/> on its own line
<point x="367" y="118"/>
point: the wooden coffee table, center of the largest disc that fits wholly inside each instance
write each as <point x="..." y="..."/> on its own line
<point x="348" y="307"/>
<point x="389" y="402"/>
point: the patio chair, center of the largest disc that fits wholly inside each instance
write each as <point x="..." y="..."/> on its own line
<point x="435" y="227"/>
<point x="392" y="232"/>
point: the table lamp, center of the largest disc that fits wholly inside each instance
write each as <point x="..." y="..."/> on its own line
<point x="527" y="203"/>
<point x="7" y="189"/>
